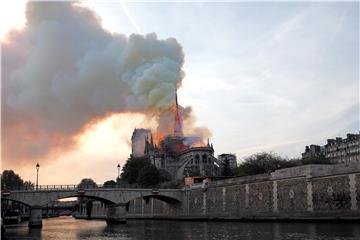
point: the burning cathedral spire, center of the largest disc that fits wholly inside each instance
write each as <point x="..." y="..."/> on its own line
<point x="177" y="123"/>
<point x="175" y="153"/>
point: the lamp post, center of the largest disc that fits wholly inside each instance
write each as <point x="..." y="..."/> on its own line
<point x="118" y="167"/>
<point x="37" y="175"/>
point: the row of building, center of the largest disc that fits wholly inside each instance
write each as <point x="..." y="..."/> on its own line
<point x="186" y="156"/>
<point x="338" y="150"/>
<point x="177" y="154"/>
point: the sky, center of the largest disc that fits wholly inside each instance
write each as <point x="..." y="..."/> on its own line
<point x="273" y="76"/>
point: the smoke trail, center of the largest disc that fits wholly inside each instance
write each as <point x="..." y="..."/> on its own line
<point x="130" y="17"/>
<point x="63" y="71"/>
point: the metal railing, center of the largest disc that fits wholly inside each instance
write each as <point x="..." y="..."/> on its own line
<point x="79" y="187"/>
<point x="64" y="187"/>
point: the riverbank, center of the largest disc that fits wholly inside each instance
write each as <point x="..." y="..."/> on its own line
<point x="304" y="193"/>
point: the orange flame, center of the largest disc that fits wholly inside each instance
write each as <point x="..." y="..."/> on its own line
<point x="157" y="137"/>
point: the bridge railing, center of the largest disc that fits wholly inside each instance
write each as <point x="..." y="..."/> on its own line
<point x="53" y="187"/>
<point x="41" y="187"/>
<point x="76" y="187"/>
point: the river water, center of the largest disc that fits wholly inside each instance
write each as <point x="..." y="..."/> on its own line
<point x="68" y="228"/>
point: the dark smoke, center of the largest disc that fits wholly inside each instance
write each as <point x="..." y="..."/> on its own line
<point x="63" y="71"/>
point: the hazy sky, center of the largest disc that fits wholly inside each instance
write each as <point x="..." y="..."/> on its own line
<point x="260" y="76"/>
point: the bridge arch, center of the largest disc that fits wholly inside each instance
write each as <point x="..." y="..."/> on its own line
<point x="108" y="196"/>
<point x="86" y="196"/>
<point x="15" y="200"/>
<point x="146" y="204"/>
<point x="170" y="196"/>
<point x="42" y="199"/>
<point x="117" y="199"/>
<point x="164" y="198"/>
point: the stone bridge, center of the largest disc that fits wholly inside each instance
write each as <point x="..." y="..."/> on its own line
<point x="115" y="198"/>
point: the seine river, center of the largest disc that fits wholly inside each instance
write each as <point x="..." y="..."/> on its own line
<point x="67" y="228"/>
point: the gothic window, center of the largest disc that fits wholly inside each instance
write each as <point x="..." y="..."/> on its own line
<point x="204" y="158"/>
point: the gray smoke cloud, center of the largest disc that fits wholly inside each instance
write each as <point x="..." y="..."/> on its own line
<point x="64" y="71"/>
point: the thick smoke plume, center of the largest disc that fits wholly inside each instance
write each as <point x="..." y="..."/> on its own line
<point x="63" y="71"/>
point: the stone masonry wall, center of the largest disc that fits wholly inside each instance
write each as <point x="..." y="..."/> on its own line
<point x="304" y="196"/>
<point x="305" y="192"/>
<point x="260" y="198"/>
<point x="332" y="194"/>
<point x="291" y="196"/>
<point x="357" y="189"/>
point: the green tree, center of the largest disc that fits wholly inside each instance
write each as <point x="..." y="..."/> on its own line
<point x="148" y="176"/>
<point x="109" y="184"/>
<point x="132" y="167"/>
<point x="11" y="180"/>
<point x="87" y="183"/>
<point x="28" y="185"/>
<point x="263" y="163"/>
<point x="165" y="176"/>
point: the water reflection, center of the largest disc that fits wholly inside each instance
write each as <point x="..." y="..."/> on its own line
<point x="34" y="232"/>
<point x="69" y="228"/>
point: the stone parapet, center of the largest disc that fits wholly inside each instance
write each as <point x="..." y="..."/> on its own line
<point x="316" y="170"/>
<point x="313" y="192"/>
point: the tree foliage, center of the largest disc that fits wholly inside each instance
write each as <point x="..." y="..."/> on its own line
<point x="314" y="160"/>
<point x="87" y="183"/>
<point x="109" y="184"/>
<point x="132" y="167"/>
<point x="263" y="163"/>
<point x="165" y="176"/>
<point x="148" y="176"/>
<point x="29" y="185"/>
<point x="226" y="169"/>
<point x="11" y="180"/>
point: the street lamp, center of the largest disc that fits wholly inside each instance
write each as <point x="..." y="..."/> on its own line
<point x="118" y="167"/>
<point x="37" y="175"/>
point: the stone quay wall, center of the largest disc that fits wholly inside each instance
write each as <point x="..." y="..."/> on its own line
<point x="317" y="192"/>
